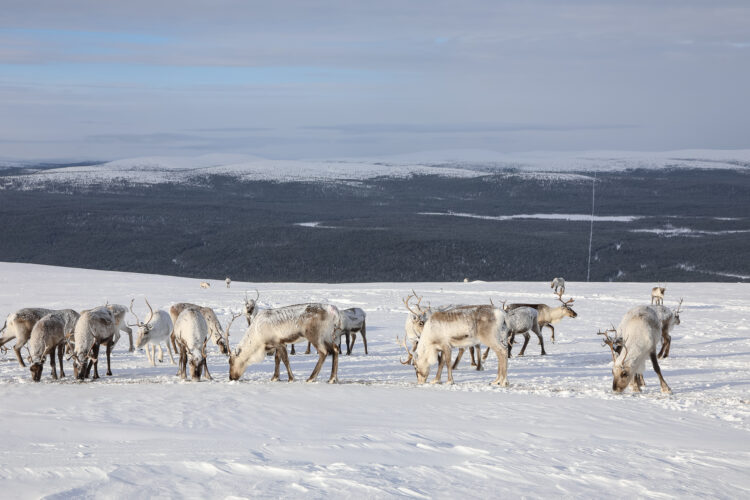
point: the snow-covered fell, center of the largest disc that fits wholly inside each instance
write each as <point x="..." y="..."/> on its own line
<point x="557" y="431"/>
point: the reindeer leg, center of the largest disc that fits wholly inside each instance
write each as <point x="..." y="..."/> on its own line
<point x="502" y="365"/>
<point x="321" y="358"/>
<point x="110" y="345"/>
<point x="526" y="338"/>
<point x="471" y="351"/>
<point x="486" y="353"/>
<point x="17" y="350"/>
<point x="161" y="353"/>
<point x="276" y="362"/>
<point x="52" y="363"/>
<point x="205" y="367"/>
<point x="285" y="359"/>
<point x="350" y="346"/>
<point x="130" y="339"/>
<point x="447" y="356"/>
<point x="459" y="356"/>
<point x="60" y="354"/>
<point x="538" y="333"/>
<point x="478" y="348"/>
<point x="307" y="351"/>
<point x="183" y="363"/>
<point x="553" y="331"/>
<point x="148" y="354"/>
<point x="364" y="336"/>
<point x="669" y="344"/>
<point x="441" y="363"/>
<point x="169" y="349"/>
<point x="664" y="387"/>
<point x="96" y="363"/>
<point x="173" y="341"/>
<point x="334" y="367"/>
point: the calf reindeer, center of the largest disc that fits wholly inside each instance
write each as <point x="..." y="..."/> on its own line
<point x="353" y="320"/>
<point x="153" y="332"/>
<point x="669" y="319"/>
<point x="657" y="294"/>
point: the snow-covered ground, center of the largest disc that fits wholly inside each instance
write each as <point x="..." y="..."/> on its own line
<point x="556" y="431"/>
<point x="460" y="163"/>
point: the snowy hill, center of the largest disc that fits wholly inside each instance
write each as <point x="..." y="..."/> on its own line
<point x="558" y="430"/>
<point x="451" y="163"/>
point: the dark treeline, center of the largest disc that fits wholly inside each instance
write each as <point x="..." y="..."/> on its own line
<point x="373" y="230"/>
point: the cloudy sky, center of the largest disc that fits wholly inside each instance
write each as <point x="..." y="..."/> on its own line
<point x="296" y="79"/>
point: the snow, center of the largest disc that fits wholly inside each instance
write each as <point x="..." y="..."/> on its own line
<point x="549" y="166"/>
<point x="558" y="430"/>
<point x="568" y="217"/>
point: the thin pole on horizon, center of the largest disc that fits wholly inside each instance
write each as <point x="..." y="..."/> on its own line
<point x="591" y="230"/>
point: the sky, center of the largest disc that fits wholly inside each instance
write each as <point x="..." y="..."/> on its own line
<point x="86" y="79"/>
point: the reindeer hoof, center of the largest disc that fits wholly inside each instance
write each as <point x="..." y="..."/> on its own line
<point x="291" y="379"/>
<point x="274" y="379"/>
<point x="333" y="381"/>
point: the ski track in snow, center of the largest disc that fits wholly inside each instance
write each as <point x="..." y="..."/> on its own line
<point x="558" y="430"/>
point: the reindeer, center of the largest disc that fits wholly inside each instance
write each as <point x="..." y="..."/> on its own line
<point x="47" y="336"/>
<point x="214" y="327"/>
<point x="548" y="315"/>
<point x="18" y="325"/>
<point x="250" y="307"/>
<point x="94" y="327"/>
<point x="459" y="327"/>
<point x="414" y="325"/>
<point x="118" y="312"/>
<point x="353" y="320"/>
<point x="657" y="294"/>
<point x="151" y="333"/>
<point x="272" y="329"/>
<point x="191" y="335"/>
<point x="205" y="284"/>
<point x="669" y="319"/>
<point x="639" y="333"/>
<point x="227" y="281"/>
<point x="520" y="321"/>
<point x="558" y="284"/>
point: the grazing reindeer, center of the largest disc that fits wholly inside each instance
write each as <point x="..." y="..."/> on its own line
<point x="153" y="332"/>
<point x="639" y="332"/>
<point x="205" y="284"/>
<point x="353" y="320"/>
<point x="460" y="327"/>
<point x="18" y="325"/>
<point x="657" y="294"/>
<point x="94" y="327"/>
<point x="228" y="281"/>
<point x="414" y="324"/>
<point x="191" y="335"/>
<point x="272" y="329"/>
<point x="214" y="327"/>
<point x="118" y="312"/>
<point x="558" y="284"/>
<point x="669" y="319"/>
<point x="47" y="336"/>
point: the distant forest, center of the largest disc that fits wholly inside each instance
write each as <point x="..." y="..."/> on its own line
<point x="693" y="227"/>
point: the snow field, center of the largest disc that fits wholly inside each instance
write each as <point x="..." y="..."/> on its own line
<point x="558" y="430"/>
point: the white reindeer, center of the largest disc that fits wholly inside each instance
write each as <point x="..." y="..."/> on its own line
<point x="657" y="294"/>
<point x="227" y="281"/>
<point x="414" y="324"/>
<point x="214" y="327"/>
<point x="191" y="335"/>
<point x="669" y="319"/>
<point x="639" y="333"/>
<point x="272" y="329"/>
<point x="47" y="336"/>
<point x="205" y="284"/>
<point x="460" y="327"/>
<point x="155" y="330"/>
<point x="94" y="327"/>
<point x="518" y="322"/>
<point x="118" y="312"/>
<point x="250" y="307"/>
<point x="558" y="284"/>
<point x="353" y="320"/>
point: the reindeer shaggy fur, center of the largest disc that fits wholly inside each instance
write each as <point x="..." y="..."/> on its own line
<point x="18" y="325"/>
<point x="118" y="312"/>
<point x="191" y="334"/>
<point x="94" y="327"/>
<point x="214" y="327"/>
<point x="669" y="319"/>
<point x="153" y="332"/>
<point x="353" y="320"/>
<point x="47" y="336"/>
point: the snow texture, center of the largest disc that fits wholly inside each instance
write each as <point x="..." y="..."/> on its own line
<point x="558" y="430"/>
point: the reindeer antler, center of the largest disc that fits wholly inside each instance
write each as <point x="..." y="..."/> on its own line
<point x="406" y="303"/>
<point x="137" y="321"/>
<point x="565" y="302"/>
<point x="402" y="342"/>
<point x="234" y="317"/>
<point x="679" y="307"/>
<point x="609" y="341"/>
<point x="151" y="310"/>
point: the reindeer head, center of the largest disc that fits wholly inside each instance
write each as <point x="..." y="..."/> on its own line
<point x="250" y="305"/>
<point x="144" y="329"/>
<point x="621" y="369"/>
<point x="418" y="316"/>
<point x="676" y="313"/>
<point x="567" y="307"/>
<point x="36" y="370"/>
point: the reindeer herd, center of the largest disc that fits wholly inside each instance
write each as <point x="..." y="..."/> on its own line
<point x="431" y="334"/>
